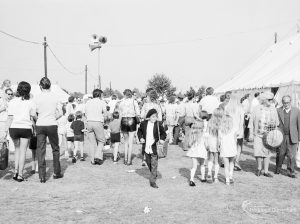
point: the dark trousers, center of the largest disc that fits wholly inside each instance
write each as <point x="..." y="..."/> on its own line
<point x="42" y="132"/>
<point x="177" y="129"/>
<point x="152" y="162"/>
<point x="290" y="150"/>
<point x="176" y="134"/>
<point x="246" y="129"/>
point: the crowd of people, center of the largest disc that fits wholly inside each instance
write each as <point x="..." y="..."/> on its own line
<point x="210" y="129"/>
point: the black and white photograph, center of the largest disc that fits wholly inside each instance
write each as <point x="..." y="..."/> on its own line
<point x="150" y="111"/>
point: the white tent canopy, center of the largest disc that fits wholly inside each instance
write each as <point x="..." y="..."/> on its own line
<point x="277" y="66"/>
<point x="35" y="90"/>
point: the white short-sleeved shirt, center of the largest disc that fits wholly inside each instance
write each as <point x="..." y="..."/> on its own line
<point x="180" y="110"/>
<point x="95" y="109"/>
<point x="71" y="108"/>
<point x="112" y="105"/>
<point x="47" y="105"/>
<point x="209" y="103"/>
<point x="191" y="109"/>
<point x="69" y="130"/>
<point x="21" y="110"/>
<point x="129" y="108"/>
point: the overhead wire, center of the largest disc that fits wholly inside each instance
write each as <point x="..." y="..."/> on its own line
<point x="20" y="39"/>
<point x="62" y="65"/>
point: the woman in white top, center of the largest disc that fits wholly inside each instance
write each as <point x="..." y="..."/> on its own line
<point x="21" y="113"/>
<point x="192" y="112"/>
<point x="129" y="110"/>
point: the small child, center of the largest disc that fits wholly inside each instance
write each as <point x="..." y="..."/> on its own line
<point x="228" y="146"/>
<point x="69" y="135"/>
<point x="61" y="128"/>
<point x="211" y="144"/>
<point x="115" y="134"/>
<point x="150" y="133"/>
<point x="197" y="151"/>
<point x="78" y="128"/>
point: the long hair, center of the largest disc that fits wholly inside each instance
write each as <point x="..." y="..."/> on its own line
<point x="215" y="122"/>
<point x="226" y="124"/>
<point x="233" y="107"/>
<point x="196" y="133"/>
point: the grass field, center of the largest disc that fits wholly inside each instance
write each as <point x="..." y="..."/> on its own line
<point x="111" y="194"/>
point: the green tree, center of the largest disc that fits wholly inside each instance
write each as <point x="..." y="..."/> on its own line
<point x="191" y="90"/>
<point x="119" y="94"/>
<point x="107" y="92"/>
<point x="138" y="92"/>
<point x="201" y="92"/>
<point x="162" y="84"/>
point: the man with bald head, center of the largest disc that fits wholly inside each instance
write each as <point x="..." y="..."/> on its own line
<point x="289" y="124"/>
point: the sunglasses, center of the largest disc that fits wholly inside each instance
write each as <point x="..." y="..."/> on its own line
<point x="10" y="94"/>
<point x="270" y="100"/>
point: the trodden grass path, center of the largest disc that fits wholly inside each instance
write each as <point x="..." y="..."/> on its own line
<point x="111" y="194"/>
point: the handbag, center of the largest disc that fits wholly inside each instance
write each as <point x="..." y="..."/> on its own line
<point x="4" y="152"/>
<point x="159" y="146"/>
<point x="137" y="119"/>
<point x="273" y="139"/>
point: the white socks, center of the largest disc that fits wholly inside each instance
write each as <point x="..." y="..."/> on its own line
<point x="193" y="171"/>
<point x="217" y="167"/>
<point x="202" y="169"/>
<point x="209" y="166"/>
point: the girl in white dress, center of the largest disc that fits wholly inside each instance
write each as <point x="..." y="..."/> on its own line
<point x="211" y="144"/>
<point x="197" y="151"/>
<point x="228" y="147"/>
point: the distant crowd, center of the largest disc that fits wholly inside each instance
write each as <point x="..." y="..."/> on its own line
<point x="211" y="129"/>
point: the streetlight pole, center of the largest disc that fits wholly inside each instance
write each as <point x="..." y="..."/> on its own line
<point x="97" y="42"/>
<point x="99" y="77"/>
<point x="45" y="56"/>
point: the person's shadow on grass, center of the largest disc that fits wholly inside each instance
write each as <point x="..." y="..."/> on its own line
<point x="64" y="163"/>
<point x="145" y="172"/>
<point x="250" y="165"/>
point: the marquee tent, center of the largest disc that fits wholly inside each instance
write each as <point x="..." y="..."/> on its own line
<point x="35" y="90"/>
<point x="277" y="68"/>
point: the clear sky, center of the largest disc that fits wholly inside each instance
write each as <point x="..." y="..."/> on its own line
<point x="194" y="42"/>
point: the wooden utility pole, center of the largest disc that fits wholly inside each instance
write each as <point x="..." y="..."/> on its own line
<point x="45" y="56"/>
<point x="85" y="89"/>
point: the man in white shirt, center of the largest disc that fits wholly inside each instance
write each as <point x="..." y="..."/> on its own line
<point x="209" y="103"/>
<point x="112" y="103"/>
<point x="95" y="111"/>
<point x="49" y="109"/>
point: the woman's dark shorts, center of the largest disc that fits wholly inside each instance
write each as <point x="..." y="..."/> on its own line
<point x="128" y="124"/>
<point x="16" y="133"/>
<point x="79" y="138"/>
<point x="70" y="139"/>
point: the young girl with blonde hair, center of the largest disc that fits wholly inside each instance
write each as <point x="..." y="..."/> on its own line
<point x="235" y="109"/>
<point x="197" y="151"/>
<point x="211" y="144"/>
<point x="228" y="148"/>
